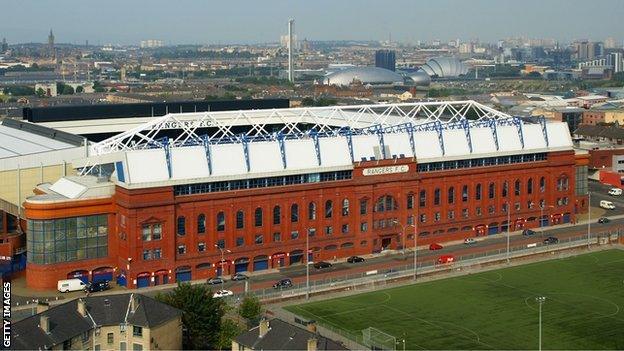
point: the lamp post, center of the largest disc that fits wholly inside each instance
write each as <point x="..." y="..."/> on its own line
<point x="415" y="242"/>
<point x="221" y="263"/>
<point x="540" y="300"/>
<point x="508" y="227"/>
<point x="542" y="206"/>
<point x="307" y="296"/>
<point x="588" y="219"/>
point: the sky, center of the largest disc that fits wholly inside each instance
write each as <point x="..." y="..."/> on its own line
<point x="260" y="21"/>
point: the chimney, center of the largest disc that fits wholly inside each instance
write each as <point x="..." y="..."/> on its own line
<point x="264" y="327"/>
<point x="44" y="324"/>
<point x="42" y="307"/>
<point x="312" y="344"/>
<point x="82" y="307"/>
<point x="311" y="326"/>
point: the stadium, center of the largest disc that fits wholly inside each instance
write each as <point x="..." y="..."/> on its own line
<point x="164" y="201"/>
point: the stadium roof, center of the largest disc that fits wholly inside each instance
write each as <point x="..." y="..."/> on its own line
<point x="21" y="138"/>
<point x="365" y="75"/>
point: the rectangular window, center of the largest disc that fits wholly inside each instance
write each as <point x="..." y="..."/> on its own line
<point x="146" y="232"/>
<point x="422" y="199"/>
<point x="491" y="209"/>
<point x="363" y="206"/>
<point x="311" y="232"/>
<point x="137" y="347"/>
<point x="478" y="210"/>
<point x="436" y="217"/>
<point x="181" y="226"/>
<point x="147" y="255"/>
<point x="410" y="220"/>
<point x="329" y="230"/>
<point x="436" y="197"/>
<point x="181" y="249"/>
<point x="451" y="214"/>
<point x="157" y="253"/>
<point x="122" y="346"/>
<point x="277" y="237"/>
<point x="240" y="241"/>
<point x="201" y="247"/>
<point x="157" y="231"/>
<point x="137" y="331"/>
<point x="410" y="201"/>
<point x="259" y="239"/>
<point x="423" y="218"/>
<point x="294" y="235"/>
<point x="110" y="338"/>
<point x="363" y="227"/>
<point x="517" y="205"/>
<point x="344" y="229"/>
<point x="465" y="213"/>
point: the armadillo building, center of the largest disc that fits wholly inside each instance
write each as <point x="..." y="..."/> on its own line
<point x="354" y="180"/>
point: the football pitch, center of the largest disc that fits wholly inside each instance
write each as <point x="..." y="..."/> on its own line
<point x="584" y="308"/>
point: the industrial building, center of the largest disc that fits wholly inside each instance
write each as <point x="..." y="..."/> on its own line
<point x="265" y="184"/>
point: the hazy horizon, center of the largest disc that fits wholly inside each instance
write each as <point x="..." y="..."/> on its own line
<point x="250" y="22"/>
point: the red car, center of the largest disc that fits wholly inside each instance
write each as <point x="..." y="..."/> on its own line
<point x="435" y="246"/>
<point x="446" y="259"/>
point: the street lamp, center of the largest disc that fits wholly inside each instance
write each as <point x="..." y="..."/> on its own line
<point x="540" y="300"/>
<point x="588" y="219"/>
<point x="542" y="206"/>
<point x="415" y="242"/>
<point x="508" y="227"/>
<point x="221" y="263"/>
<point x="307" y="296"/>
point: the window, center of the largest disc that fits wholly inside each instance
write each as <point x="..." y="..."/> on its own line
<point x="478" y="192"/>
<point x="363" y="206"/>
<point x="294" y="213"/>
<point x="122" y="346"/>
<point x="504" y="207"/>
<point x="451" y="195"/>
<point x="492" y="191"/>
<point x="410" y="201"/>
<point x="436" y="216"/>
<point x="97" y="347"/>
<point x="562" y="183"/>
<point x="258" y="217"/>
<point x="201" y="224"/>
<point x="505" y="189"/>
<point x="157" y="253"/>
<point x="363" y="227"/>
<point x="294" y="235"/>
<point x="517" y="186"/>
<point x="422" y="198"/>
<point x="110" y="338"/>
<point x="181" y="249"/>
<point x="277" y="215"/>
<point x="465" y="213"/>
<point x="152" y="232"/>
<point x="436" y="197"/>
<point x="517" y="206"/>
<point x="312" y="211"/>
<point x="530" y="186"/>
<point x="259" y="239"/>
<point x="137" y="331"/>
<point x="386" y="203"/>
<point x="147" y="255"/>
<point x="221" y="243"/>
<point x="277" y="237"/>
<point x="240" y="241"/>
<point x="451" y="214"/>
<point x="478" y="211"/>
<point x="311" y="232"/>
<point x="464" y="193"/>
<point x="491" y="209"/>
<point x="542" y="184"/>
<point x="423" y="218"/>
<point x="181" y="226"/>
<point x="329" y="230"/>
<point x="137" y="347"/>
<point x="220" y="221"/>
<point x="345" y="207"/>
<point x="201" y="247"/>
<point x="329" y="208"/>
<point x="344" y="229"/>
<point x="240" y="219"/>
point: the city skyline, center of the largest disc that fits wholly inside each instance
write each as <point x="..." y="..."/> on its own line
<point x="246" y="22"/>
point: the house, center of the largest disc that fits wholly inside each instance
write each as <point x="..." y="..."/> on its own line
<point x="111" y="322"/>
<point x="277" y="334"/>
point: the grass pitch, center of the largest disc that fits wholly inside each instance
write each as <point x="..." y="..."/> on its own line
<point x="584" y="308"/>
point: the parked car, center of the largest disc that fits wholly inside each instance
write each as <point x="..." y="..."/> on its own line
<point x="322" y="265"/>
<point x="603" y="220"/>
<point x="528" y="232"/>
<point x="97" y="286"/>
<point x="608" y="205"/>
<point x="435" y="246"/>
<point x="283" y="283"/>
<point x="355" y="259"/>
<point x="469" y="241"/>
<point x="615" y="191"/>
<point x="215" y="281"/>
<point x="67" y="285"/>
<point x="239" y="276"/>
<point x="446" y="259"/>
<point x="222" y="293"/>
<point x="551" y="240"/>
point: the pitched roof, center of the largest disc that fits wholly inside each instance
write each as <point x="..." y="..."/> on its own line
<point x="66" y="322"/>
<point x="284" y="336"/>
<point x="609" y="132"/>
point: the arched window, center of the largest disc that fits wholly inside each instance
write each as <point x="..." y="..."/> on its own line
<point x="451" y="195"/>
<point x="562" y="183"/>
<point x="410" y="201"/>
<point x="258" y="217"/>
<point x="345" y="207"/>
<point x="517" y="186"/>
<point x="277" y="215"/>
<point x="530" y="186"/>
<point x="505" y="189"/>
<point x="422" y="200"/>
<point x="201" y="224"/>
<point x="436" y="196"/>
<point x="240" y="219"/>
<point x="492" y="191"/>
<point x="181" y="225"/>
<point x="220" y="221"/>
<point x="464" y="193"/>
<point x="329" y="208"/>
<point x="478" y="191"/>
<point x="542" y="184"/>
<point x="311" y="211"/>
<point x="294" y="213"/>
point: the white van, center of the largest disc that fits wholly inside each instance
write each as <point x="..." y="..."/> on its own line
<point x="615" y="192"/>
<point x="68" y="285"/>
<point x="607" y="205"/>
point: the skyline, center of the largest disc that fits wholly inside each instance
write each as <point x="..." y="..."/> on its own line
<point x="248" y="22"/>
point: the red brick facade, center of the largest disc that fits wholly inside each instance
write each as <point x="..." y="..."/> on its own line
<point x="444" y="220"/>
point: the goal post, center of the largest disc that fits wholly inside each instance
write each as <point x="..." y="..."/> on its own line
<point x="378" y="340"/>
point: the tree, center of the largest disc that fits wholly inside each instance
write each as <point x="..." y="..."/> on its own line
<point x="79" y="89"/>
<point x="97" y="87"/>
<point x="250" y="309"/>
<point x="229" y="330"/>
<point x="201" y="314"/>
<point x="40" y="92"/>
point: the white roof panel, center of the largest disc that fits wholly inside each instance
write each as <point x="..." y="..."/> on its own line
<point x="364" y="147"/>
<point x="427" y="144"/>
<point x="228" y="159"/>
<point x="145" y="166"/>
<point x="482" y="140"/>
<point x="265" y="156"/>
<point x="334" y="152"/>
<point x="399" y="144"/>
<point x="558" y="134"/>
<point x="68" y="188"/>
<point x="533" y="136"/>
<point x="455" y="142"/>
<point x="300" y="154"/>
<point x="508" y="138"/>
<point x="189" y="162"/>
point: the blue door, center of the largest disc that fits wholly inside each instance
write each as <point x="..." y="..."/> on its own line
<point x="492" y="230"/>
<point x="82" y="275"/>
<point x="121" y="280"/>
<point x="566" y="218"/>
<point x="241" y="267"/>
<point x="261" y="265"/>
<point x="103" y="274"/>
<point x="143" y="281"/>
<point x="544" y="222"/>
<point x="183" y="276"/>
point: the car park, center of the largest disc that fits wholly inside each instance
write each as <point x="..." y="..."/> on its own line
<point x="239" y="276"/>
<point x="470" y="241"/>
<point x="215" y="281"/>
<point x="528" y="232"/>
<point x="322" y="265"/>
<point x="435" y="246"/>
<point x="603" y="220"/>
<point x="97" y="286"/>
<point x="551" y="240"/>
<point x="355" y="259"/>
<point x="222" y="293"/>
<point x="283" y="283"/>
